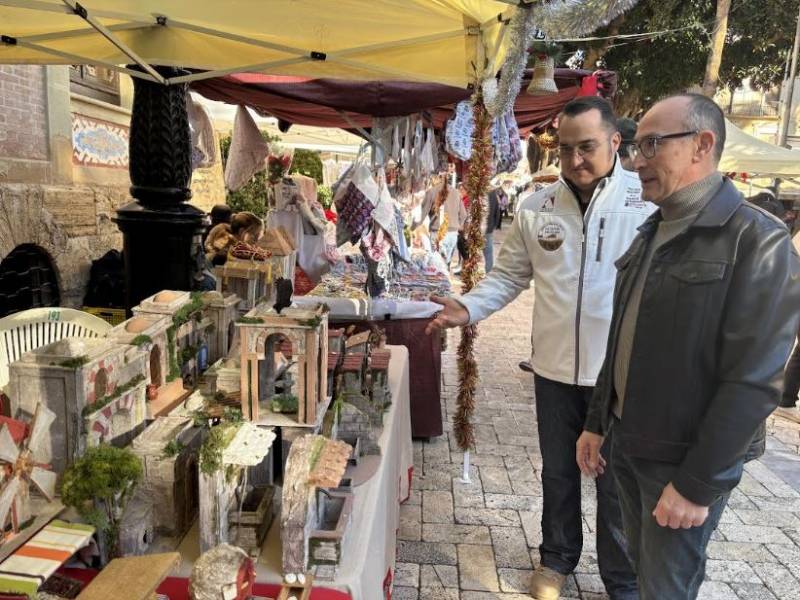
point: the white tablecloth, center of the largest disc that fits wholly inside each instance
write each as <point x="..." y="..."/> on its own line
<point x="373" y="308"/>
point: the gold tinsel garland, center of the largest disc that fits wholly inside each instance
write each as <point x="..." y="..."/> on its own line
<point x="477" y="185"/>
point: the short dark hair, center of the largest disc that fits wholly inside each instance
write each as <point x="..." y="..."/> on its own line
<point x="221" y="213"/>
<point x="705" y="114"/>
<point x="578" y="106"/>
<point x="627" y="129"/>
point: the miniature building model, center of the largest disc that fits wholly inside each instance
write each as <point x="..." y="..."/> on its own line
<point x="222" y="573"/>
<point x="263" y="334"/>
<point x="238" y="446"/>
<point x="137" y="528"/>
<point x="168" y="450"/>
<point x="93" y="385"/>
<point x="379" y="377"/>
<point x="314" y="462"/>
<point x="148" y="332"/>
<point x="252" y="280"/>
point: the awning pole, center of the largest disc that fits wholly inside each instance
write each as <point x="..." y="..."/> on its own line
<point x="465" y="469"/>
<point x="107" y="34"/>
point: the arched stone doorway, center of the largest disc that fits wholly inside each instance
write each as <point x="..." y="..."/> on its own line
<point x="27" y="280"/>
<point x="100" y="384"/>
<point x="276" y="367"/>
<point x="156" y="376"/>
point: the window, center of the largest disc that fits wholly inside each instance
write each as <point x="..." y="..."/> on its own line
<point x="100" y="83"/>
<point x="27" y="280"/>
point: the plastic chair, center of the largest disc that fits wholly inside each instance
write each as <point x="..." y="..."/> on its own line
<point x="30" y="329"/>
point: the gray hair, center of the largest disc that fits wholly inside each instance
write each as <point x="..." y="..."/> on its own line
<point x="704" y="114"/>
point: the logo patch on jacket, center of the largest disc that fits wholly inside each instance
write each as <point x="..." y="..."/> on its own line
<point x="551" y="236"/>
<point x="549" y="204"/>
<point x="633" y="198"/>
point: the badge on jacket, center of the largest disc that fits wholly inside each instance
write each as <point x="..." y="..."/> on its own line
<point x="551" y="236"/>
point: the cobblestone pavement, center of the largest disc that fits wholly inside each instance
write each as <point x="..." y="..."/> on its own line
<point x="479" y="541"/>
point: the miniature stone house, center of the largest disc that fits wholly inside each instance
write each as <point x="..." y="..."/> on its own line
<point x="223" y="311"/>
<point x="379" y="377"/>
<point x="354" y="369"/>
<point x="137" y="527"/>
<point x="168" y="450"/>
<point x="264" y="333"/>
<point x="314" y="462"/>
<point x="148" y="332"/>
<point x="95" y="386"/>
<point x="247" y="446"/>
<point x="251" y="280"/>
<point x="200" y="332"/>
<point x="326" y="541"/>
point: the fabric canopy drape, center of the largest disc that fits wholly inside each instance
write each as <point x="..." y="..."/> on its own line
<point x="746" y="154"/>
<point x="321" y="102"/>
<point x="418" y="40"/>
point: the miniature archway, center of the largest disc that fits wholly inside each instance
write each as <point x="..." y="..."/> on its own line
<point x="156" y="377"/>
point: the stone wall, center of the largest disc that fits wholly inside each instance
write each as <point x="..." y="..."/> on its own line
<point x="72" y="224"/>
<point x="54" y="192"/>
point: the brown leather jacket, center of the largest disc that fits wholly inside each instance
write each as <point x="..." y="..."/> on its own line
<point x="718" y="316"/>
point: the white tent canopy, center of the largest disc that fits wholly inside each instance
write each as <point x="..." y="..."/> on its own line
<point x="747" y="154"/>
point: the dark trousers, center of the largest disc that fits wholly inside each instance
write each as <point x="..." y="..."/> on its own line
<point x="791" y="379"/>
<point x="561" y="411"/>
<point x="488" y="252"/>
<point x="670" y="563"/>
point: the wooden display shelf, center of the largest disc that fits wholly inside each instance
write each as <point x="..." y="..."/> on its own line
<point x="134" y="578"/>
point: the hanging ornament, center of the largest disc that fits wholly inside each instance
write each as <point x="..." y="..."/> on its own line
<point x="576" y="61"/>
<point x="543" y="82"/>
<point x="479" y="173"/>
<point x="548" y="139"/>
<point x="521" y="32"/>
<point x="489" y="87"/>
<point x="573" y="18"/>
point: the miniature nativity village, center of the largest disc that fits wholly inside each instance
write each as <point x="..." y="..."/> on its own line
<point x="192" y="429"/>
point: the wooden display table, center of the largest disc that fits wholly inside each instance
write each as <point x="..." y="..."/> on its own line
<point x="134" y="578"/>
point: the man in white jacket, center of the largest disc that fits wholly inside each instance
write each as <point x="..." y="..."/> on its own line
<point x="566" y="238"/>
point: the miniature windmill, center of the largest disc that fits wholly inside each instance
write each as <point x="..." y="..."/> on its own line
<point x="20" y="470"/>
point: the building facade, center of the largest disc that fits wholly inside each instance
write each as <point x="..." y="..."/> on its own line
<point x="63" y="174"/>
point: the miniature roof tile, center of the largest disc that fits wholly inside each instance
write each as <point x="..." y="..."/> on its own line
<point x="353" y="361"/>
<point x="249" y="446"/>
<point x="379" y="359"/>
<point x="331" y="464"/>
<point x="333" y="360"/>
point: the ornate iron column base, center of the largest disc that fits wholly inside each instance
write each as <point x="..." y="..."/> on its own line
<point x="162" y="249"/>
<point x="161" y="231"/>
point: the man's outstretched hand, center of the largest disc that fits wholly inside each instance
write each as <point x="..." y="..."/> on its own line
<point x="453" y="314"/>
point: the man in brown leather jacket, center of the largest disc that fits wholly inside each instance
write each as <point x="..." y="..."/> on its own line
<point x="704" y="319"/>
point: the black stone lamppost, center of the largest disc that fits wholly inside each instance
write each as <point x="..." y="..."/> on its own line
<point x="161" y="231"/>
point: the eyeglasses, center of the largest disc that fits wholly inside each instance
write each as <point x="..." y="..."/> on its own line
<point x="648" y="146"/>
<point x="581" y="149"/>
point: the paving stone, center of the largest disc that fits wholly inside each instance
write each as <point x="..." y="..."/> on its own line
<point x="406" y="575"/>
<point x="456" y="534"/>
<point x="486" y="516"/>
<point x="437" y="507"/>
<point x="747" y="551"/>
<point x="779" y="580"/>
<point x="515" y="580"/>
<point x="532" y="526"/>
<point x="527" y="488"/>
<point x="414" y="498"/>
<point x="438" y="576"/>
<point x="510" y="548"/>
<point x="427" y="553"/>
<point x="513" y="502"/>
<point x="470" y="595"/>
<point x="716" y="590"/>
<point x="495" y="480"/>
<point x="587" y="563"/>
<point x="427" y="593"/>
<point x="477" y="568"/>
<point x="410" y="523"/>
<point x="468" y="494"/>
<point x="433" y="479"/>
<point x="730" y="570"/>
<point x="751" y="533"/>
<point x="479" y="459"/>
<point x="405" y="593"/>
<point x="590" y="583"/>
<point x="519" y="468"/>
<point x="768" y="519"/>
<point x="770" y="480"/>
<point x="789" y="556"/>
<point x="752" y="591"/>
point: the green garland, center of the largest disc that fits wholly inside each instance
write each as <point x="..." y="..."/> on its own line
<point x="118" y="391"/>
<point x="140" y="340"/>
<point x="250" y="320"/>
<point x="74" y="363"/>
<point x="174" y="369"/>
<point x="477" y="185"/>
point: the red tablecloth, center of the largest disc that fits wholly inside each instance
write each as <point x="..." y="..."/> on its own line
<point x="177" y="588"/>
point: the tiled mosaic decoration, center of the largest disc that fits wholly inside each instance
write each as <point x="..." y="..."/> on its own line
<point x="97" y="143"/>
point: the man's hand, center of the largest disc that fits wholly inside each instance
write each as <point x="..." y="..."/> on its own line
<point x="676" y="512"/>
<point x="590" y="462"/>
<point x="452" y="315"/>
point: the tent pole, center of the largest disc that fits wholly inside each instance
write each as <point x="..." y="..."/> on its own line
<point x="104" y="31"/>
<point x="81" y="60"/>
<point x="239" y="69"/>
